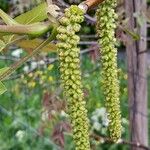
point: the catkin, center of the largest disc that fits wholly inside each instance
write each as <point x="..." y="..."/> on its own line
<point x="106" y="18"/>
<point x="69" y="55"/>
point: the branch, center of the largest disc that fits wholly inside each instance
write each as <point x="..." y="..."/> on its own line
<point x="89" y="4"/>
<point x="93" y="3"/>
<point x="32" y="29"/>
<point x="108" y="140"/>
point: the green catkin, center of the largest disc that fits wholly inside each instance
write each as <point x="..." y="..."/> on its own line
<point x="106" y="18"/>
<point x="71" y="75"/>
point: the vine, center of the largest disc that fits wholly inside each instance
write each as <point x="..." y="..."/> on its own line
<point x="71" y="75"/>
<point x="106" y="26"/>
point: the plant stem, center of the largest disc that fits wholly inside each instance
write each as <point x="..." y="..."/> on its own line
<point x="32" y="29"/>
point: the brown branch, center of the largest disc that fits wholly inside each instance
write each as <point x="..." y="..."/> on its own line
<point x="124" y="142"/>
<point x="93" y="3"/>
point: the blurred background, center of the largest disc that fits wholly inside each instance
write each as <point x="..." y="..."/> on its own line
<point x="33" y="112"/>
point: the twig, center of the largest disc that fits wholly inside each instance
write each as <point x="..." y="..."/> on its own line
<point x="88" y="43"/>
<point x="108" y="140"/>
<point x="31" y="29"/>
<point x="93" y="3"/>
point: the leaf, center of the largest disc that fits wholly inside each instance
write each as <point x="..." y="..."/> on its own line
<point x="2" y="45"/>
<point x="7" y="19"/>
<point x="2" y="70"/>
<point x="30" y="45"/>
<point x="134" y="35"/>
<point x="37" y="14"/>
<point x="2" y="88"/>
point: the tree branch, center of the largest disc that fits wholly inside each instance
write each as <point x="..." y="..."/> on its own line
<point x="32" y="29"/>
<point x="93" y="3"/>
<point x="108" y="140"/>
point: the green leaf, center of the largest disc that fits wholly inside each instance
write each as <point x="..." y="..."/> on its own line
<point x="134" y="35"/>
<point x="2" y="88"/>
<point x="2" y="70"/>
<point x="6" y="18"/>
<point x="37" y="14"/>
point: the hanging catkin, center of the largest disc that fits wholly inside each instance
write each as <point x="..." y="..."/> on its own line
<point x="71" y="75"/>
<point x="106" y="18"/>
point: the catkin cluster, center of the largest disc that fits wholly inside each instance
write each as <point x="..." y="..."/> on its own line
<point x="69" y="56"/>
<point x="106" y="18"/>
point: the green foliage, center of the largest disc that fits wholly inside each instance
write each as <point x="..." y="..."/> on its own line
<point x="20" y="107"/>
<point x="37" y="14"/>
<point x="4" y="5"/>
<point x="2" y="87"/>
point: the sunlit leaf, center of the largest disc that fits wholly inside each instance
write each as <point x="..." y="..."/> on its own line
<point x="2" y="70"/>
<point x="30" y="45"/>
<point x="2" y="88"/>
<point x="7" y="19"/>
<point x="37" y="14"/>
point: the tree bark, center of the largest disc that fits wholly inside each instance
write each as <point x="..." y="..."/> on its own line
<point x="137" y="74"/>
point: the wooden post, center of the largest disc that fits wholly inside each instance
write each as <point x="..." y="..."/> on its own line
<point x="137" y="74"/>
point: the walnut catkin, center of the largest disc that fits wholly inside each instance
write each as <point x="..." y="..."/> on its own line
<point x="69" y="59"/>
<point x="106" y="18"/>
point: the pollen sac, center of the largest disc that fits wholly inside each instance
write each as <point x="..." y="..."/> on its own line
<point x="106" y="18"/>
<point x="69" y="58"/>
